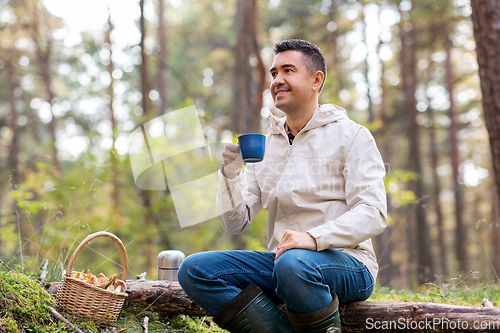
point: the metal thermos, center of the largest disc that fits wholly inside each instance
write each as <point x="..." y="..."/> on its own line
<point x="168" y="264"/>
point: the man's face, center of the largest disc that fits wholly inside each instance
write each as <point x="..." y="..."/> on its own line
<point x="292" y="86"/>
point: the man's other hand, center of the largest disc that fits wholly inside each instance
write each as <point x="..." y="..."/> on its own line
<point x="233" y="163"/>
<point x="295" y="240"/>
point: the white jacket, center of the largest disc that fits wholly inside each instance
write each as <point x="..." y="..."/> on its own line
<point x="329" y="183"/>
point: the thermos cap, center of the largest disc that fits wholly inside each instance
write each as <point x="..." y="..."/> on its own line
<point x="170" y="259"/>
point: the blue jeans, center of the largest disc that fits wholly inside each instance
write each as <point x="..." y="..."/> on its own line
<point x="301" y="279"/>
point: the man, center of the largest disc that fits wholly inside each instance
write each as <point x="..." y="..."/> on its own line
<point x="322" y="182"/>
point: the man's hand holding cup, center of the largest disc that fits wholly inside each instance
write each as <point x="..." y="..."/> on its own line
<point x="250" y="149"/>
<point x="233" y="163"/>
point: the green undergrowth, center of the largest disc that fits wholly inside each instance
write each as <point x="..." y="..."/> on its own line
<point x="24" y="305"/>
<point x="185" y="324"/>
<point x="132" y="323"/>
<point x="448" y="294"/>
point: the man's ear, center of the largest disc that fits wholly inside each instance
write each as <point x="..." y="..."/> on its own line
<point x="319" y="76"/>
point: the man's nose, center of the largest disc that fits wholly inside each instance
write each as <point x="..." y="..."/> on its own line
<point x="277" y="80"/>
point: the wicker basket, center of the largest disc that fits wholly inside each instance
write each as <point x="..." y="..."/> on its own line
<point x="86" y="300"/>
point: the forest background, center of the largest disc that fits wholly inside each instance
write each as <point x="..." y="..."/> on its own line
<point x="76" y="78"/>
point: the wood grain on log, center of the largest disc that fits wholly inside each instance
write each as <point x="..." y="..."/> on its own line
<point x="165" y="297"/>
<point x="168" y="298"/>
<point x="371" y="316"/>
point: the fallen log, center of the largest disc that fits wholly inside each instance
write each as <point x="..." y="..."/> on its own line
<point x="164" y="297"/>
<point x="168" y="298"/>
<point x="371" y="316"/>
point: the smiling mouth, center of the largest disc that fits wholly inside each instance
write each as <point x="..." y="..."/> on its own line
<point x="281" y="92"/>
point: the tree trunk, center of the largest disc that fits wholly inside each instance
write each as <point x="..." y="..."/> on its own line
<point x="496" y="249"/>
<point x="486" y="19"/>
<point x="249" y="83"/>
<point x="410" y="228"/>
<point x="371" y="116"/>
<point x="115" y="196"/>
<point x="436" y="190"/>
<point x="335" y="67"/>
<point x="149" y="219"/>
<point x="388" y="271"/>
<point x="460" y="231"/>
<point x="149" y="223"/>
<point x="248" y="89"/>
<point x="495" y="226"/>
<point x="384" y="241"/>
<point x="434" y="160"/>
<point x="162" y="59"/>
<point x="13" y="160"/>
<point x="260" y="72"/>
<point x="47" y="80"/>
<point x="168" y="298"/>
<point x="43" y="53"/>
<point x="14" y="148"/>
<point x="424" y="259"/>
<point x="495" y="234"/>
<point x="242" y="101"/>
<point x="144" y="63"/>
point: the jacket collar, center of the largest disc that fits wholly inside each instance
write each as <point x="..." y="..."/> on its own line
<point x="325" y="114"/>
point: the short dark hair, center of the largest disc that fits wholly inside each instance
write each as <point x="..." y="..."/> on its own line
<point x="313" y="57"/>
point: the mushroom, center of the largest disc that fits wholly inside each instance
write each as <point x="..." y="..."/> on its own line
<point x="120" y="286"/>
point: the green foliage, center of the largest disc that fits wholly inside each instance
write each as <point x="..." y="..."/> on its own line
<point x="56" y="213"/>
<point x="188" y="324"/>
<point x="258" y="232"/>
<point x="455" y="292"/>
<point x="158" y="323"/>
<point x="374" y="126"/>
<point x="395" y="184"/>
<point x="24" y="304"/>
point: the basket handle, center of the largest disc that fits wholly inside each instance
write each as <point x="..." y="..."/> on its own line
<point x="91" y="237"/>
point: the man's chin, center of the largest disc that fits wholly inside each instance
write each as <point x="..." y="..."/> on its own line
<point x="277" y="107"/>
<point x="281" y="106"/>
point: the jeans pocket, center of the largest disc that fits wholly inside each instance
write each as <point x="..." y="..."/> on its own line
<point x="363" y="294"/>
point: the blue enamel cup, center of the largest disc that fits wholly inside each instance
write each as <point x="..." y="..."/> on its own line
<point x="252" y="147"/>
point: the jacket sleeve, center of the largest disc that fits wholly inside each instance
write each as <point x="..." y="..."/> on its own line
<point x="364" y="174"/>
<point x="238" y="200"/>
